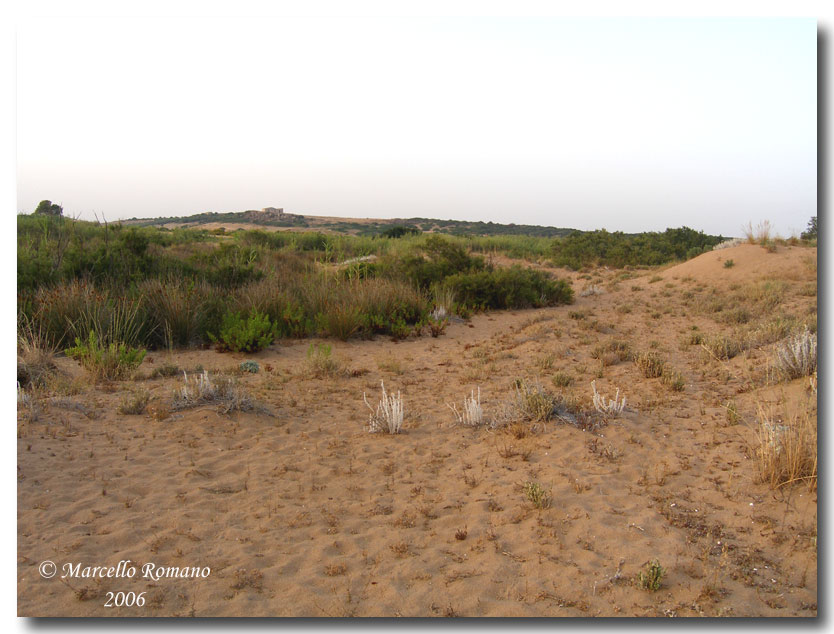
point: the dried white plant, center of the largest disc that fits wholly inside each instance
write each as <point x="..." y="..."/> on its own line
<point x="797" y="355"/>
<point x="612" y="407"/>
<point x="592" y="290"/>
<point x="472" y="414"/>
<point x="734" y="242"/>
<point x="223" y="392"/>
<point x="388" y="415"/>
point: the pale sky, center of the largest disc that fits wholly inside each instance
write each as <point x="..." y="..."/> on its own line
<point x="627" y="124"/>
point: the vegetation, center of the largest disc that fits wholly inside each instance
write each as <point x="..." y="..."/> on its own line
<point x="651" y="577"/>
<point x="601" y="248"/>
<point x="48" y="208"/>
<point x="240" y="334"/>
<point x="811" y="232"/>
<point x="106" y="361"/>
<point x="538" y="496"/>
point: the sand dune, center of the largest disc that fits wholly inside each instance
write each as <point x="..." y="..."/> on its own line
<point x="305" y="513"/>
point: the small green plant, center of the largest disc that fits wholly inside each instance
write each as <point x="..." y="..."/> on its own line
<point x="728" y="264"/>
<point x="651" y="577"/>
<point x="538" y="496"/>
<point x="320" y="362"/>
<point x="114" y="361"/>
<point x="249" y="366"/>
<point x="134" y="403"/>
<point x="252" y="334"/>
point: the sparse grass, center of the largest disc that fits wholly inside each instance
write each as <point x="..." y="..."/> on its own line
<point x="166" y="370"/>
<point x="673" y="380"/>
<point x="528" y="403"/>
<point x="394" y="366"/>
<point x="728" y="264"/>
<point x="651" y="577"/>
<point x="320" y="362"/>
<point x="388" y="415"/>
<point x="134" y="403"/>
<point x="612" y="352"/>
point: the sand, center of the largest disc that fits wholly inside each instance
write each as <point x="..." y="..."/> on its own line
<point x="305" y="513"/>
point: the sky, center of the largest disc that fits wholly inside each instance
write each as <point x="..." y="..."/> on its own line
<point x="627" y="124"/>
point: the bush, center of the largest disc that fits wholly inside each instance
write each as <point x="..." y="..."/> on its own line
<point x="513" y="287"/>
<point x="251" y="334"/>
<point x="114" y="361"/>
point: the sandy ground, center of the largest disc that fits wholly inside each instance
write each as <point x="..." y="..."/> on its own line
<point x="305" y="513"/>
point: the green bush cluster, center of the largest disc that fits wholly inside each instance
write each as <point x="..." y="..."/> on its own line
<point x="245" y="334"/>
<point x="618" y="249"/>
<point x="106" y="360"/>
<point x="513" y="287"/>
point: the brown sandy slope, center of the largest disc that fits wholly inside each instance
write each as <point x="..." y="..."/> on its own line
<point x="307" y="514"/>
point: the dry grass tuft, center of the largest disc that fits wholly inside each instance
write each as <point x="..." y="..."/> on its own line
<point x="134" y="403"/>
<point x="787" y="451"/>
<point x="650" y="364"/>
<point x="220" y="391"/>
<point x="35" y="358"/>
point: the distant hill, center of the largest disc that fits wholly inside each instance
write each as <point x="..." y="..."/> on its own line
<point x="271" y="217"/>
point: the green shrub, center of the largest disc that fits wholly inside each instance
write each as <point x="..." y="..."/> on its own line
<point x="240" y="334"/>
<point x="513" y="287"/>
<point x="107" y="361"/>
<point x="651" y="577"/>
<point x="728" y="264"/>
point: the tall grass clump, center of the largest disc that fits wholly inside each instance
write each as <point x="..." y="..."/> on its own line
<point x="179" y="310"/>
<point x="35" y="356"/>
<point x="787" y="447"/>
<point x="797" y="355"/>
